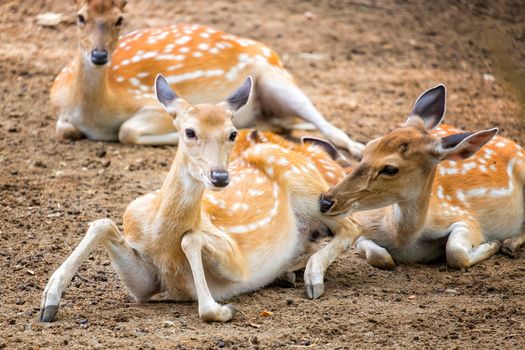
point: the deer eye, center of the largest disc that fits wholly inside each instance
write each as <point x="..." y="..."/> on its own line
<point x="389" y="170"/>
<point x="81" y="20"/>
<point x="119" y="21"/>
<point x="190" y="133"/>
<point x="233" y="136"/>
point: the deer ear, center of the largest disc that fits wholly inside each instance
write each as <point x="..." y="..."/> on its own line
<point x="325" y="145"/>
<point x="120" y="4"/>
<point x="166" y="96"/>
<point x="430" y="107"/>
<point x="240" y="96"/>
<point x="461" y="146"/>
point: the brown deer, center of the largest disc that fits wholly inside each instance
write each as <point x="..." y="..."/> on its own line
<point x="106" y="93"/>
<point x="425" y="190"/>
<point x="191" y="241"/>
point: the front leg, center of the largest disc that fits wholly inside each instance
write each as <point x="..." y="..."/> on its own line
<point x="345" y="234"/>
<point x="466" y="245"/>
<point x="209" y="310"/>
<point x="67" y="131"/>
<point x="511" y="246"/>
<point x="375" y="255"/>
<point x="149" y="126"/>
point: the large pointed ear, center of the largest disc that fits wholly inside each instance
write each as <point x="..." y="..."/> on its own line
<point x="325" y="145"/>
<point x="240" y="96"/>
<point x="430" y="107"/>
<point x="120" y="4"/>
<point x="461" y="146"/>
<point x="165" y="95"/>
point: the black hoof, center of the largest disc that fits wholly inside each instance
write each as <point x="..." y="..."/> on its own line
<point x="49" y="313"/>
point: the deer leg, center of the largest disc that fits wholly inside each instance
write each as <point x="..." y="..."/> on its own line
<point x="149" y="126"/>
<point x="345" y="233"/>
<point x="375" y="255"/>
<point x="282" y="97"/>
<point x="209" y="310"/>
<point x="67" y="131"/>
<point x="511" y="246"/>
<point x="466" y="246"/>
<point x="138" y="275"/>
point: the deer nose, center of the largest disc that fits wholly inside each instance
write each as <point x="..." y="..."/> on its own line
<point x="219" y="178"/>
<point x="325" y="204"/>
<point x="99" y="57"/>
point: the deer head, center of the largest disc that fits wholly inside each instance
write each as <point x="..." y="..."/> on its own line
<point x="400" y="166"/>
<point x="206" y="131"/>
<point x="99" y="23"/>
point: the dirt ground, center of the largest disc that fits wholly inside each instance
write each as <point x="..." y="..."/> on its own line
<point x="363" y="63"/>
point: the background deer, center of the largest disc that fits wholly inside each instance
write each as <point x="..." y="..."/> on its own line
<point x="106" y="94"/>
<point x="427" y="191"/>
<point x="191" y="243"/>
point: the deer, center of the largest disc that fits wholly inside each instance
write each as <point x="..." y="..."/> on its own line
<point x="218" y="226"/>
<point x="427" y="190"/>
<point x="105" y="92"/>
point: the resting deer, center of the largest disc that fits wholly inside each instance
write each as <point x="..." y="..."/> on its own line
<point x="106" y="94"/>
<point x="427" y="192"/>
<point x="191" y="241"/>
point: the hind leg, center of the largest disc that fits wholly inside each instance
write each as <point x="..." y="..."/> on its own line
<point x="466" y="245"/>
<point x="149" y="126"/>
<point x="139" y="276"/>
<point x="282" y="97"/>
<point x="511" y="246"/>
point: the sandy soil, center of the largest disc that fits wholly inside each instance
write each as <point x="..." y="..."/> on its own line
<point x="370" y="62"/>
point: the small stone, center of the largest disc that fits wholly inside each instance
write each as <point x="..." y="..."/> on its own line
<point x="488" y="77"/>
<point x="40" y="164"/>
<point x="451" y="291"/>
<point x="101" y="152"/>
<point x="168" y="323"/>
<point x="83" y="321"/>
<point x="221" y="344"/>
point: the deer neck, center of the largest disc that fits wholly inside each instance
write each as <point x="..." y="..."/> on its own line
<point x="407" y="219"/>
<point x="90" y="83"/>
<point x="180" y="197"/>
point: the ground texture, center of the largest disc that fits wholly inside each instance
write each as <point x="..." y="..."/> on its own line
<point x="363" y="63"/>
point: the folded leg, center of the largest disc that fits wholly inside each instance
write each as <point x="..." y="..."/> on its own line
<point x="511" y="246"/>
<point x="375" y="255"/>
<point x="149" y="126"/>
<point x="466" y="246"/>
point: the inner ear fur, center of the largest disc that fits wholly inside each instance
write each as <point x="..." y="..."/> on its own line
<point x="430" y="107"/>
<point x="461" y="146"/>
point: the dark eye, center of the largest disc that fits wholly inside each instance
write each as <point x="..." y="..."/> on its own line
<point x="233" y="136"/>
<point x="190" y="133"/>
<point x="389" y="170"/>
<point x="119" y="21"/>
<point x="81" y="19"/>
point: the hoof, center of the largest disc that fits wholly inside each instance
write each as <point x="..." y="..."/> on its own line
<point x="233" y="310"/>
<point x="49" y="313"/>
<point x="287" y="280"/>
<point x="314" y="291"/>
<point x="510" y="249"/>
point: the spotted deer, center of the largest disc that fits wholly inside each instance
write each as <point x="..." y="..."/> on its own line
<point x="191" y="241"/>
<point x="425" y="190"/>
<point x="106" y="94"/>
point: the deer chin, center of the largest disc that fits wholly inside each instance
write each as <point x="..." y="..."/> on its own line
<point x="345" y="212"/>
